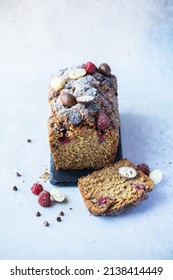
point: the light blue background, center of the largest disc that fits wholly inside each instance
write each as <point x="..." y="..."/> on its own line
<point x="36" y="39"/>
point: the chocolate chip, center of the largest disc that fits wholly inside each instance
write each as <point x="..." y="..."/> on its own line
<point x="15" y="188"/>
<point x="85" y="99"/>
<point x="105" y="69"/>
<point x="54" y="146"/>
<point x="70" y="208"/>
<point x="61" y="213"/>
<point x="37" y="214"/>
<point x="58" y="219"/>
<point x="68" y="99"/>
<point x="29" y="140"/>
<point x="52" y="124"/>
<point x="46" y="223"/>
<point x="75" y="117"/>
<point x="18" y="174"/>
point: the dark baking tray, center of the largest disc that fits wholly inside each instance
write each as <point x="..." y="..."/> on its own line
<point x="70" y="177"/>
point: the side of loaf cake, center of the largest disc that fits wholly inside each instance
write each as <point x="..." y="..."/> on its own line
<point x="115" y="188"/>
<point x="83" y="127"/>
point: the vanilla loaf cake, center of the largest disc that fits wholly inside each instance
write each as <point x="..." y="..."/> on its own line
<point x="83" y="127"/>
<point x="115" y="188"/>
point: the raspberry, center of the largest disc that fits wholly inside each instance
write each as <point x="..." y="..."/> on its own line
<point x="37" y="188"/>
<point x="44" y="199"/>
<point x="104" y="200"/>
<point x="139" y="187"/>
<point x="90" y="68"/>
<point x="103" y="121"/>
<point x="64" y="140"/>
<point x="144" y="168"/>
<point x="101" y="136"/>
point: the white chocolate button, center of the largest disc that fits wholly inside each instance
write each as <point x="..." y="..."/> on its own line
<point x="156" y="176"/>
<point x="57" y="83"/>
<point x="85" y="99"/>
<point x="127" y="172"/>
<point x="57" y="195"/>
<point x="77" y="73"/>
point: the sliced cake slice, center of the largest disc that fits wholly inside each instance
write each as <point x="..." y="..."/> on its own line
<point x="115" y="188"/>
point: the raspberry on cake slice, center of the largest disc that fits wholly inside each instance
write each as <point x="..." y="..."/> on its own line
<point x="115" y="188"/>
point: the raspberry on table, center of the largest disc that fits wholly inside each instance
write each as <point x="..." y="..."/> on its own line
<point x="144" y="168"/>
<point x="103" y="121"/>
<point x="89" y="67"/>
<point x="37" y="188"/>
<point x="44" y="199"/>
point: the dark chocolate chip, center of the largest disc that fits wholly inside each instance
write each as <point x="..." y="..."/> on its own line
<point x="105" y="69"/>
<point x="68" y="99"/>
<point x="70" y="208"/>
<point x="18" y="174"/>
<point x="37" y="214"/>
<point x="61" y="213"/>
<point x="75" y="118"/>
<point x="58" y="219"/>
<point x="46" y="223"/>
<point x="29" y="140"/>
<point x="54" y="146"/>
<point x="15" y="188"/>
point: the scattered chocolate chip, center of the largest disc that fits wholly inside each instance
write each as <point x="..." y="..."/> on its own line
<point x="29" y="140"/>
<point x="46" y="223"/>
<point x="61" y="213"/>
<point x="37" y="214"/>
<point x="70" y="208"/>
<point x="105" y="69"/>
<point x="68" y="99"/>
<point x="18" y="174"/>
<point x="15" y="188"/>
<point x="170" y="162"/>
<point x="58" y="219"/>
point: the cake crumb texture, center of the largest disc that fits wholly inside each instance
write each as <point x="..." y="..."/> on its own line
<point x="106" y="192"/>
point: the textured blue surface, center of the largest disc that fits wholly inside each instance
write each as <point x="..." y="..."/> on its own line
<point x="39" y="37"/>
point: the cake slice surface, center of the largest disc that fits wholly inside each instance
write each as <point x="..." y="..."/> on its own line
<point x="115" y="188"/>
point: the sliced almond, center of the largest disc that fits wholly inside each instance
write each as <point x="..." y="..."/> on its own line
<point x="85" y="99"/>
<point x="77" y="73"/>
<point x="156" y="176"/>
<point x="57" y="195"/>
<point x="127" y="172"/>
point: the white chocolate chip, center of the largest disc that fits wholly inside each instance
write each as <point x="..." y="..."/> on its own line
<point x="77" y="73"/>
<point x="85" y="99"/>
<point x="156" y="176"/>
<point x="57" y="83"/>
<point x="127" y="172"/>
<point x="57" y="195"/>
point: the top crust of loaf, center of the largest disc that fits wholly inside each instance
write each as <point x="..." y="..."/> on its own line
<point x="97" y="85"/>
<point x="117" y="193"/>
